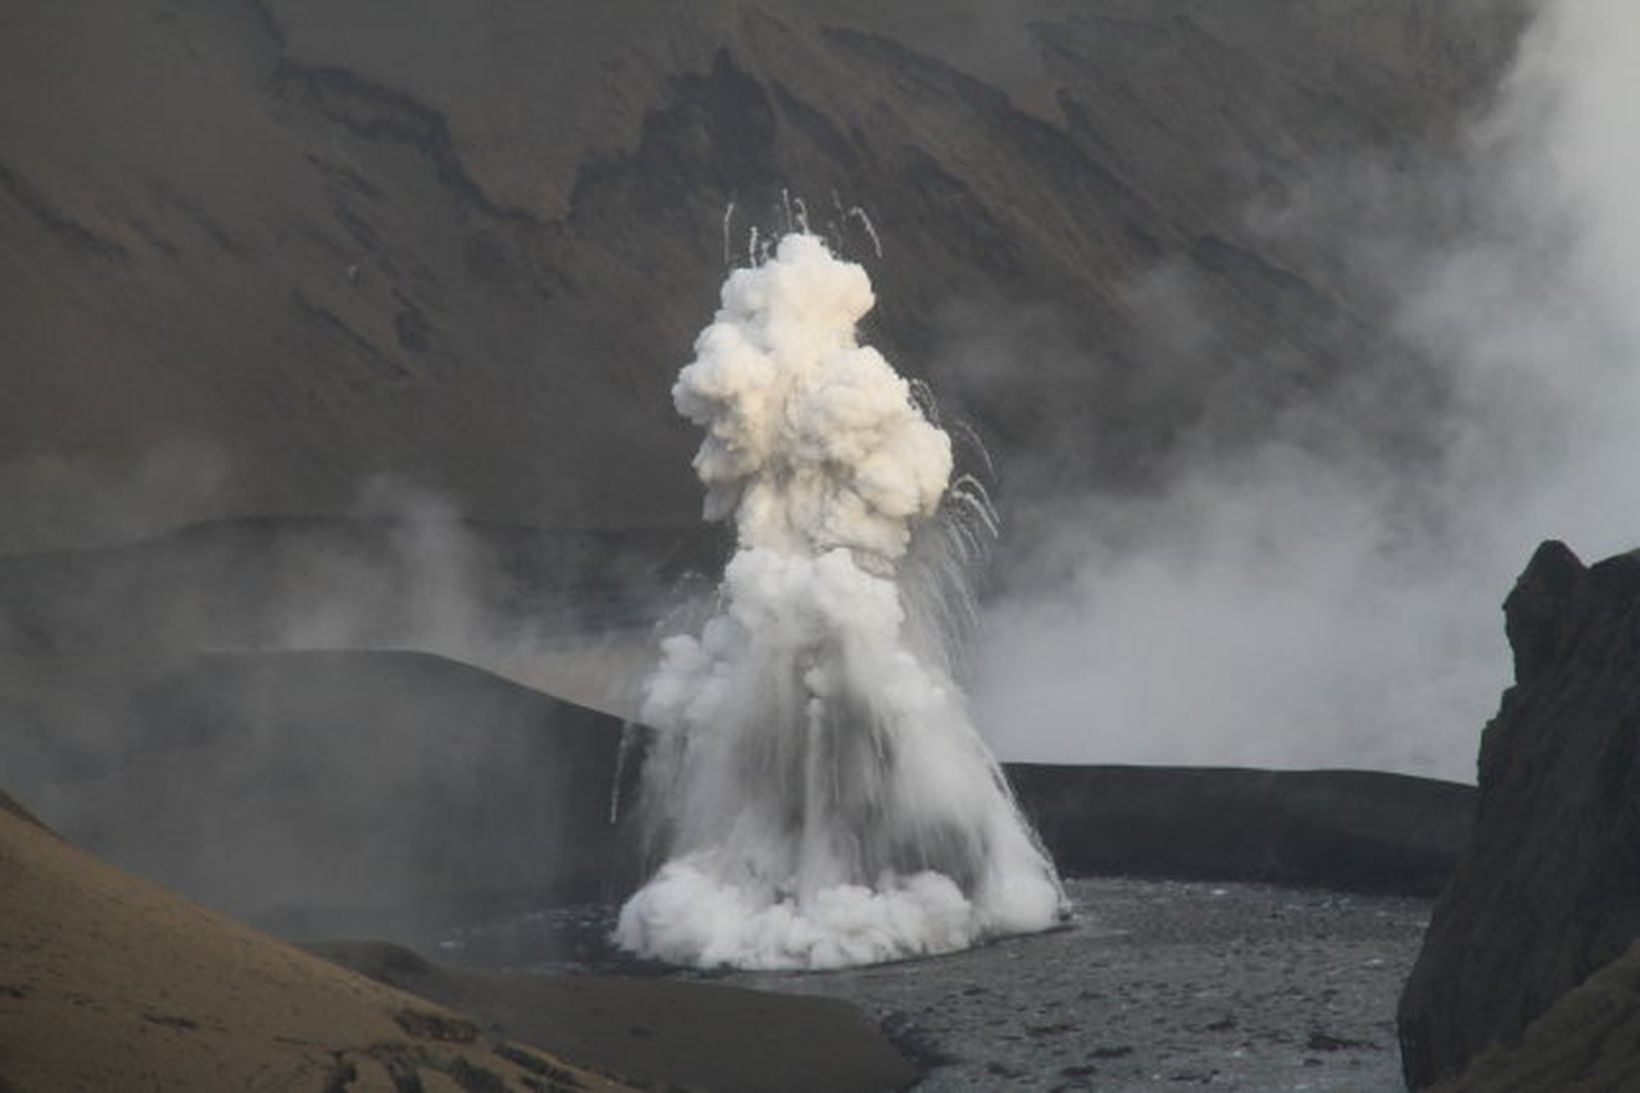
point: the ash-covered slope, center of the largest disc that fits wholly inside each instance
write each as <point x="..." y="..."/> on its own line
<point x="286" y="244"/>
<point x="1548" y="890"/>
<point x="113" y="983"/>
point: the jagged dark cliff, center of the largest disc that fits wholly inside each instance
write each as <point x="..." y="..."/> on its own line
<point x="1589" y="1040"/>
<point x="1548" y="890"/>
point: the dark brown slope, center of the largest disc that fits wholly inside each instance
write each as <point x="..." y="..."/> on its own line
<point x="290" y="244"/>
<point x="7" y="804"/>
<point x="662" y="1031"/>
<point x="1548" y="889"/>
<point x="108" y="982"/>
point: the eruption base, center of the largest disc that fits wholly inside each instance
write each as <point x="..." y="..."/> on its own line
<point x="822" y="796"/>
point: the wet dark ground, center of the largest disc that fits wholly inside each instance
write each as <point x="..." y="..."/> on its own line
<point x="1160" y="984"/>
<point x="1155" y="984"/>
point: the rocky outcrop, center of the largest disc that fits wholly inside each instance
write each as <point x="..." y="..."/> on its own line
<point x="1548" y="890"/>
<point x="1588" y="1042"/>
<point x="1354" y="830"/>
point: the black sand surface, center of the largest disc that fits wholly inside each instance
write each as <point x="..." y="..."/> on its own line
<point x="1155" y="984"/>
<point x="1160" y="984"/>
<point x="710" y="1036"/>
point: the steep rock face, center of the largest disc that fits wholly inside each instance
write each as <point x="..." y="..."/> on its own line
<point x="471" y="243"/>
<point x="1548" y="890"/>
<point x="1588" y="1042"/>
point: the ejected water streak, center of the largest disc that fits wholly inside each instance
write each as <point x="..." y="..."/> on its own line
<point x="820" y="793"/>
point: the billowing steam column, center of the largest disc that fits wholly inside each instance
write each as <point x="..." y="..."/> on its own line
<point x="821" y="795"/>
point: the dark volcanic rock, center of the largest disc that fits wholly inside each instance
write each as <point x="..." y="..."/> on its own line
<point x="1357" y="830"/>
<point x="1588" y="1041"/>
<point x="1548" y="890"/>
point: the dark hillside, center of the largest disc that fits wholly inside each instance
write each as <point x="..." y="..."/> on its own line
<point x="287" y="245"/>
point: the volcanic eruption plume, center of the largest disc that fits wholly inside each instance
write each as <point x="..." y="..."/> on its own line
<point x="822" y="797"/>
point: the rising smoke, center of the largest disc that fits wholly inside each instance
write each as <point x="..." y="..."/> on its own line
<point x="231" y="708"/>
<point x="1328" y="595"/>
<point x="820" y="793"/>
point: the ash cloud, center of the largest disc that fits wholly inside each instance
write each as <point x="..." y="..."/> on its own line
<point x="1321" y="587"/>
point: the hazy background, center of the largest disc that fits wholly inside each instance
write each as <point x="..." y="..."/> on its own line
<point x="1324" y="588"/>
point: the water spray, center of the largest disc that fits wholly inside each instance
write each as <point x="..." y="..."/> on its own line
<point x="815" y="786"/>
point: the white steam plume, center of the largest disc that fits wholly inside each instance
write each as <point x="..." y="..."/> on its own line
<point x="1319" y="599"/>
<point x="823" y="798"/>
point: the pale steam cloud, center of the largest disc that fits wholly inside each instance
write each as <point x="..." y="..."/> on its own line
<point x="1328" y="596"/>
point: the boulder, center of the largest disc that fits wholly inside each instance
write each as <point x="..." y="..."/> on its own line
<point x="1548" y="889"/>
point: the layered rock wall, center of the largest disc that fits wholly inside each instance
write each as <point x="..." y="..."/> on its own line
<point x="1548" y="890"/>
